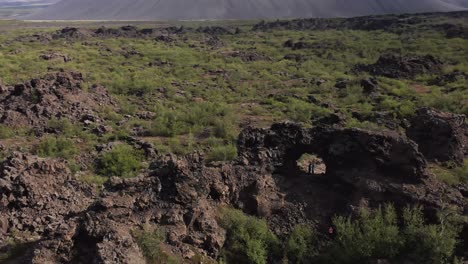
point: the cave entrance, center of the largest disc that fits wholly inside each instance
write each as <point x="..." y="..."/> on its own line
<point x="311" y="164"/>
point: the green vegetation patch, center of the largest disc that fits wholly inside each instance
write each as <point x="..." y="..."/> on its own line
<point x="57" y="147"/>
<point x="151" y="242"/>
<point x="248" y="239"/>
<point x="451" y="174"/>
<point x="123" y="161"/>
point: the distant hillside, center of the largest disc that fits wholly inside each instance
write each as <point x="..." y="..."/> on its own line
<point x="235" y="9"/>
<point x="10" y="9"/>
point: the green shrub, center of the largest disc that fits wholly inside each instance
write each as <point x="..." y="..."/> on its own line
<point x="94" y="179"/>
<point x="248" y="239"/>
<point x="302" y="245"/>
<point x="63" y="126"/>
<point x="6" y="132"/>
<point x="462" y="172"/>
<point x="225" y="129"/>
<point x="376" y="235"/>
<point x="150" y="243"/>
<point x="431" y="244"/>
<point x="123" y="161"/>
<point x="223" y="153"/>
<point x="451" y="174"/>
<point x="372" y="235"/>
<point x="56" y="147"/>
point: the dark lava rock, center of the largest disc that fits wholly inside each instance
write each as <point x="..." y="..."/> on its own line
<point x="56" y="95"/>
<point x="370" y="85"/>
<point x="334" y="119"/>
<point x="148" y="148"/>
<point x="56" y="55"/>
<point x="248" y="56"/>
<point x="36" y="194"/>
<point x="449" y="78"/>
<point x="403" y="23"/>
<point x="182" y="194"/>
<point x="403" y="67"/>
<point x="342" y="83"/>
<point x="165" y="38"/>
<point x="296" y="57"/>
<point x="73" y="33"/>
<point x="289" y="43"/>
<point x="440" y="136"/>
<point x="301" y="45"/>
<point x="297" y="45"/>
<point x="214" y="30"/>
<point x="454" y="30"/>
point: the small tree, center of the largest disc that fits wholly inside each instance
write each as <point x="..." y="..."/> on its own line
<point x="302" y="245"/>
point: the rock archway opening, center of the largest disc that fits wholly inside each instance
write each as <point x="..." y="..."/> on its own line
<point x="301" y="163"/>
<point x="311" y="164"/>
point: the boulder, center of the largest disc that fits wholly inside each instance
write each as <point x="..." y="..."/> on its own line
<point x="440" y="136"/>
<point x="403" y="66"/>
<point x="56" y="55"/>
<point x="449" y="78"/>
<point x="370" y="85"/>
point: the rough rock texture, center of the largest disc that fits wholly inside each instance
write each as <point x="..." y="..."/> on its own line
<point x="403" y="67"/>
<point x="37" y="195"/>
<point x="403" y="23"/>
<point x="449" y="78"/>
<point x="56" y="56"/>
<point x="441" y="136"/>
<point x="182" y="194"/>
<point x="370" y="85"/>
<point x="72" y="33"/>
<point x="57" y="95"/>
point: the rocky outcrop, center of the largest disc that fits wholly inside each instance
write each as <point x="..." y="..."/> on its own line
<point x="440" y="136"/>
<point x="182" y="194"/>
<point x="72" y="33"/>
<point x="37" y="195"/>
<point x="454" y="30"/>
<point x="403" y="67"/>
<point x="342" y="149"/>
<point x="56" y="56"/>
<point x="59" y="95"/>
<point x="390" y="23"/>
<point x="449" y="78"/>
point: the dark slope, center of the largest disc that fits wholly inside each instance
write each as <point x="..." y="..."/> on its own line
<point x="235" y="9"/>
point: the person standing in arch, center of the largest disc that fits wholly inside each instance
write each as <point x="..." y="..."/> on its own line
<point x="312" y="168"/>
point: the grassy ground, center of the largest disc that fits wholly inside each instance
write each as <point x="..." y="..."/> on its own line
<point x="203" y="95"/>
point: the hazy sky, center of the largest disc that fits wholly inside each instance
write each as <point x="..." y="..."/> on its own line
<point x="45" y="1"/>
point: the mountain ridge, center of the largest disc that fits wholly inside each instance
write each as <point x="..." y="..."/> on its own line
<point x="232" y="9"/>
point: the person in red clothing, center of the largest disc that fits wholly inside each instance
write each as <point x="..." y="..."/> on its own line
<point x="331" y="232"/>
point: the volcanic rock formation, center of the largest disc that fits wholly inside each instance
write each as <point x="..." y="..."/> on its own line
<point x="58" y="95"/>
<point x="440" y="136"/>
<point x="183" y="193"/>
<point x="403" y="67"/>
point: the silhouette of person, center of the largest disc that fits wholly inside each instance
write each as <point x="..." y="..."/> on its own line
<point x="312" y="168"/>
